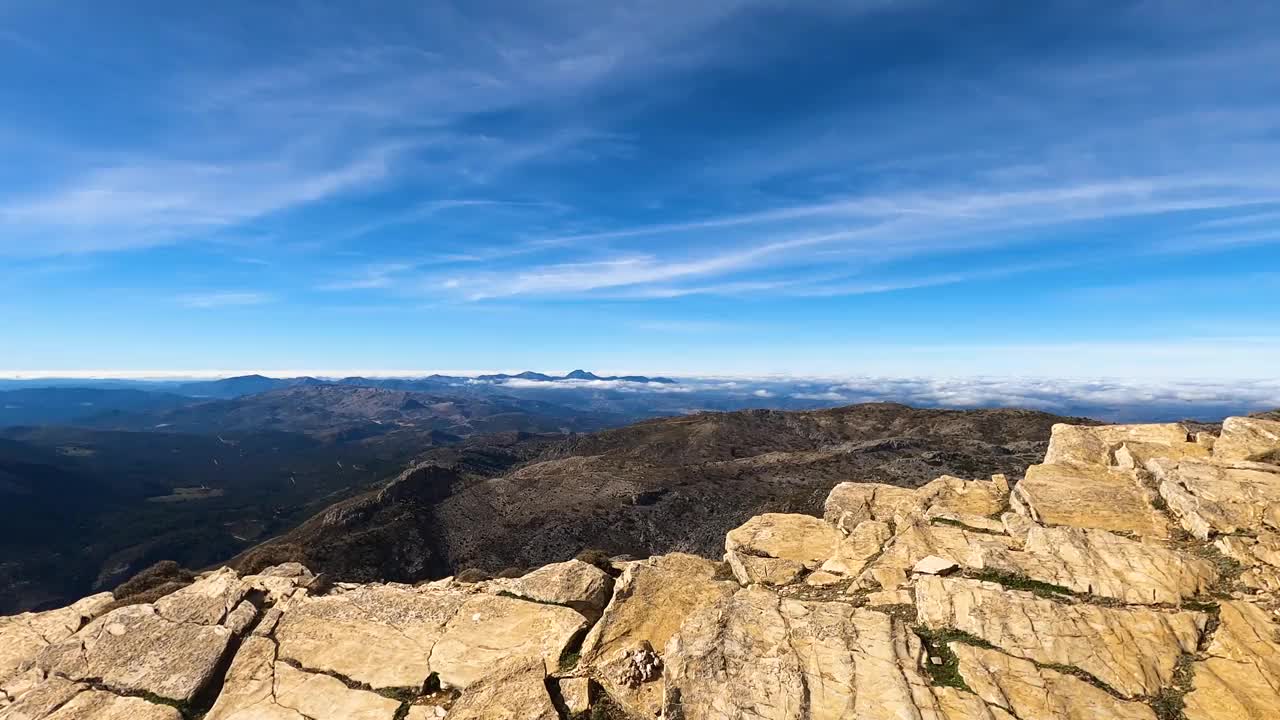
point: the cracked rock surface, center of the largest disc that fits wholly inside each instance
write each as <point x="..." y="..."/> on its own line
<point x="1134" y="575"/>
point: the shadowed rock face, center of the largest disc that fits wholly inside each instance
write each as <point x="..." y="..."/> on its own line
<point x="958" y="600"/>
<point x="677" y="484"/>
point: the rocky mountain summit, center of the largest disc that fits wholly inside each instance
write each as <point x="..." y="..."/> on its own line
<point x="1133" y="575"/>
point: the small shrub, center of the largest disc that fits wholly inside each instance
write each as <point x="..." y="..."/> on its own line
<point x="597" y="557"/>
<point x="162" y="573"/>
<point x="511" y="572"/>
<point x="472" y="575"/>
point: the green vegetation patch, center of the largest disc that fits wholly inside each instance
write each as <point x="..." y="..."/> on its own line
<point x="935" y="643"/>
<point x="1014" y="581"/>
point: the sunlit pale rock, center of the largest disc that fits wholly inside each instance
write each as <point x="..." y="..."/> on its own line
<point x="1240" y="677"/>
<point x="1109" y="565"/>
<point x="756" y="655"/>
<point x="1248" y="439"/>
<point x="101" y="705"/>
<point x="23" y="636"/>
<point x="1209" y="498"/>
<point x="1133" y="651"/>
<point x="1028" y="691"/>
<point x="651" y="600"/>
<point x="775" y="548"/>
<point x="1089" y="496"/>
<point x="489" y="629"/>
<point x="1095" y="444"/>
<point x="381" y="635"/>
<point x="581" y="586"/>
<point x="512" y="690"/>
<point x="135" y="649"/>
<point x="852" y="552"/>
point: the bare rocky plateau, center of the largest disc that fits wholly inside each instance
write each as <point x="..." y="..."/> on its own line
<point x="1133" y="574"/>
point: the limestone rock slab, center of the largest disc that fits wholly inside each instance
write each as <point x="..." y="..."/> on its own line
<point x="326" y="698"/>
<point x="488" y="629"/>
<point x="1028" y="691"/>
<point x="380" y="635"/>
<point x="42" y="698"/>
<point x="1094" y="444"/>
<point x="865" y="542"/>
<point x="23" y="636"/>
<point x="1089" y="496"/>
<point x="974" y="550"/>
<point x="576" y="584"/>
<point x="756" y="655"/>
<point x="651" y="600"/>
<point x="248" y="692"/>
<point x="1240" y="678"/>
<point x="1133" y="651"/>
<point x="205" y="601"/>
<point x="775" y="548"/>
<point x="134" y="648"/>
<point x="575" y="693"/>
<point x="1245" y="438"/>
<point x="850" y="503"/>
<point x="101" y="705"/>
<point x="512" y="690"/>
<point x="1209" y="498"/>
<point x="1113" y="566"/>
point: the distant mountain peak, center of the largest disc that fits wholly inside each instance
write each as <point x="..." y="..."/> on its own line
<point x="582" y="375"/>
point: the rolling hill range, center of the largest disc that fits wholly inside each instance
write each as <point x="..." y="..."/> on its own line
<point x="350" y="411"/>
<point x="671" y="484"/>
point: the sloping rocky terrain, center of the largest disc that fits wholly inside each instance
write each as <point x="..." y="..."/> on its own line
<point x="1134" y="574"/>
<point x="652" y="487"/>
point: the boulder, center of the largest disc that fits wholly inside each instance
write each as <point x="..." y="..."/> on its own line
<point x="933" y="565"/>
<point x="1244" y="438"/>
<point x="1132" y="455"/>
<point x="1133" y="651"/>
<point x="576" y="584"/>
<point x="204" y="602"/>
<point x="575" y="693"/>
<point x="239" y="619"/>
<point x="851" y="503"/>
<point x="775" y="549"/>
<point x="966" y="497"/>
<point x="915" y="542"/>
<point x="1089" y="496"/>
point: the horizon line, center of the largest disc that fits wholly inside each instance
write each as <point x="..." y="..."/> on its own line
<point x="339" y="374"/>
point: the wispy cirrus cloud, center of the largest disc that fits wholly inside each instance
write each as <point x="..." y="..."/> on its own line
<point x="224" y="299"/>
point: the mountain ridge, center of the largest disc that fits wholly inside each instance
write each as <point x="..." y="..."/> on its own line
<point x="1130" y="574"/>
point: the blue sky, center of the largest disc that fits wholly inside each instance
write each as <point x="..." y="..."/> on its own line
<point x="723" y="187"/>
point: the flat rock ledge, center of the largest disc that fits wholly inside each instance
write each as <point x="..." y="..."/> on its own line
<point x="1134" y="575"/>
